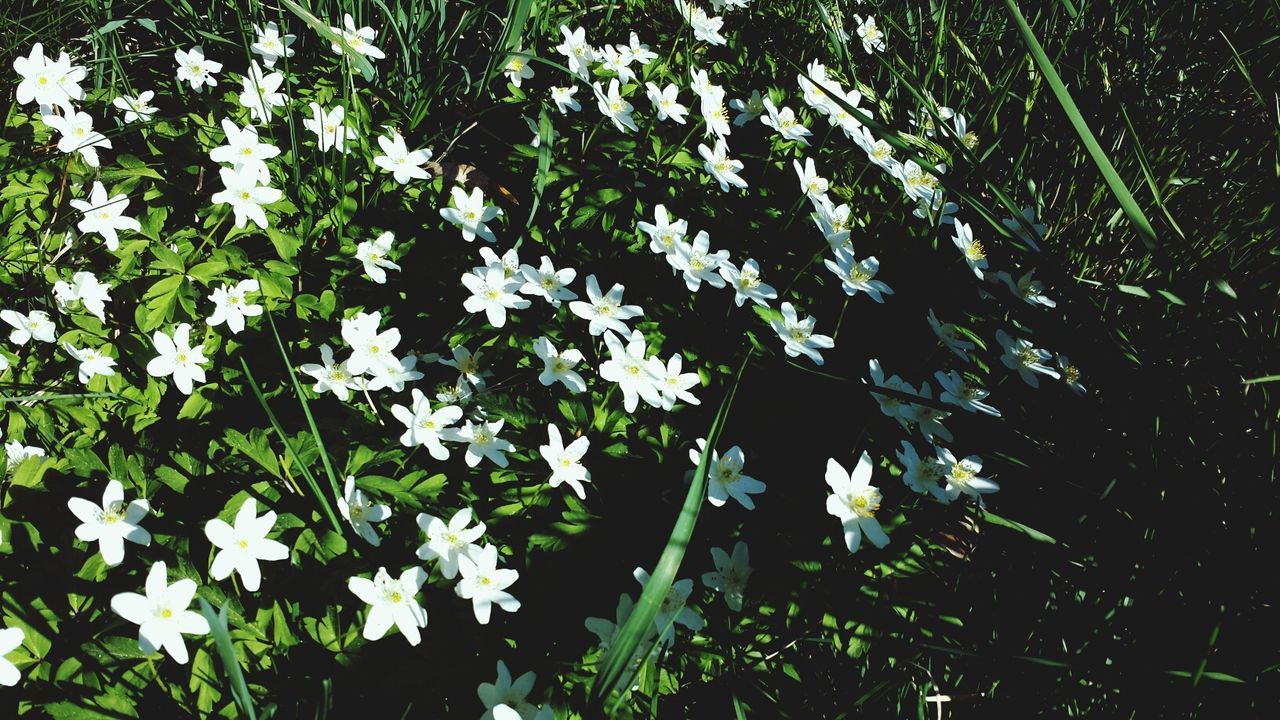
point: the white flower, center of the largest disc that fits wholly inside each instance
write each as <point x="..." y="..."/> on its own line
<point x="493" y="294"/>
<point x="403" y="164"/>
<point x="605" y="312"/>
<point x="705" y="28"/>
<point x="955" y="391"/>
<point x="16" y="453"/>
<point x="373" y="254"/>
<point x="78" y="135"/>
<point x="448" y="542"/>
<point x="85" y="288"/>
<point x="858" y="275"/>
<point x="749" y="109"/>
<point x="961" y="476"/>
<point x="566" y="460"/>
<point x="395" y="376"/>
<point x="921" y="474"/>
<point x="48" y="83"/>
<point x="244" y="153"/>
<point x="424" y="425"/>
<point x="271" y="45"/>
<point x="392" y="601"/>
<point x="618" y="62"/>
<point x="798" y="337"/>
<point x="231" y="307"/>
<point x="162" y="614"/>
<point x="665" y="234"/>
<point x="699" y="264"/>
<point x="1027" y="360"/>
<point x="260" y="92"/>
<point x="137" y="108"/>
<point x="194" y="68"/>
<point x="328" y="127"/>
<point x="974" y="254"/>
<point x="714" y="113"/>
<point x="746" y="283"/>
<point x="35" y="324"/>
<point x="242" y="546"/>
<point x="177" y="358"/>
<point x="559" y="366"/>
<point x="854" y="501"/>
<point x="92" y="362"/>
<point x="871" y="35"/>
<point x="482" y="441"/>
<point x="548" y="283"/>
<point x="506" y="700"/>
<point x="360" y="511"/>
<point x="518" y="69"/>
<point x="784" y="121"/>
<point x="638" y="51"/>
<point x="891" y="405"/>
<point x="607" y="630"/>
<point x="469" y="366"/>
<point x="246" y="196"/>
<point x="920" y="184"/>
<point x="928" y="418"/>
<point x="369" y="348"/>
<point x="672" y="383"/>
<point x="112" y="523"/>
<point x="1070" y="374"/>
<point x="721" y="167"/>
<point x="10" y="639"/>
<point x="613" y="106"/>
<point x="665" y="102"/>
<point x="835" y="222"/>
<point x="104" y="215"/>
<point x="1016" y="227"/>
<point x="731" y="574"/>
<point x="360" y="40"/>
<point x="470" y="213"/>
<point x="674" y="609"/>
<point x="811" y="184"/>
<point x="627" y="367"/>
<point x="1028" y="289"/>
<point x="564" y="100"/>
<point x="951" y="337"/>
<point x="577" y="52"/>
<point x="484" y="584"/>
<point x="878" y="151"/>
<point x="509" y="262"/>
<point x="724" y="476"/>
<point x="699" y="82"/>
<point x="330" y="377"/>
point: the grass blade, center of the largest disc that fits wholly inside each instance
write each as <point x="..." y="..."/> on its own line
<point x="227" y="653"/>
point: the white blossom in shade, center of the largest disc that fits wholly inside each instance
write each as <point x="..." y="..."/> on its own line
<point x="394" y="376"/>
<point x="1027" y="288"/>
<point x="943" y="212"/>
<point x="92" y="362"/>
<point x="446" y="542"/>
<point x="604" y="312"/>
<point x="328" y="127"/>
<point x="665" y="102"/>
<point x="10" y="639"/>
<point x="1070" y="374"/>
<point x="812" y="184"/>
<point x="242" y="545"/>
<point x="470" y="213"/>
<point x="705" y="28"/>
<point x="674" y="609"/>
<point x="36" y="324"/>
<point x="559" y="366"/>
<point x="1016" y="227"/>
<point x="177" y="358"/>
<point x="615" y="107"/>
<point x="951" y="337"/>
<point x="359" y="510"/>
<point x="974" y="254"/>
<point x="731" y="574"/>
<point x="854" y="500"/>
<point x="260" y="93"/>
<point x="628" y="368"/>
<point x="518" y="69"/>
<point x="375" y="256"/>
<point x="607" y="630"/>
<point x="665" y="233"/>
<point x="484" y="584"/>
<point x="961" y="476"/>
<point x="231" y="306"/>
<point x="577" y="52"/>
<point x="104" y="215"/>
<point x="638" y="51"/>
<point x="798" y="337"/>
<point x="246" y="196"/>
<point x="136" y="108"/>
<point x="369" y="348"/>
<point x="509" y="262"/>
<point x="871" y="35"/>
<point x="879" y="152"/>
<point x="927" y="417"/>
<point x="162" y="614"/>
<point x="112" y="523"/>
<point x="672" y="383"/>
<point x="724" y="476"/>
<point x="817" y="88"/>
<point x="891" y="405"/>
<point x="714" y="113"/>
<point x="482" y="441"/>
<point x="424" y="425"/>
<point x="392" y="601"/>
<point x="835" y="222"/>
<point x="955" y="391"/>
<point x="493" y="294"/>
<point x="244" y="152"/>
<point x="505" y="699"/>
<point x="921" y="474"/>
<point x="396" y="158"/>
<point x="918" y="183"/>
<point x="566" y="460"/>
<point x="469" y="366"/>
<point x="1027" y="360"/>
<point x="786" y="124"/>
<point x="360" y="39"/>
<point x="746" y="283"/>
<point x="564" y="100"/>
<point x="77" y="135"/>
<point x="331" y="377"/>
<point x="16" y="453"/>
<point x="858" y="275"/>
<point x="698" y="263"/>
<point x="700" y="82"/>
<point x="617" y="62"/>
<point x="749" y="109"/>
<point x="270" y="45"/>
<point x="195" y="68"/>
<point x="548" y="283"/>
<point x="48" y="82"/>
<point x="720" y="166"/>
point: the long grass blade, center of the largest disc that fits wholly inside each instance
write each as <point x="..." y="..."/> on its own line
<point x="227" y="653"/>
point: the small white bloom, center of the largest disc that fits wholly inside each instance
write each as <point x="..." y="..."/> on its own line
<point x="565" y="461"/>
<point x="104" y="215"/>
<point x="374" y="255"/>
<point x="951" y="337"/>
<point x="578" y="53"/>
<point x="260" y="92"/>
<point x="1027" y="360"/>
<point x="749" y="109"/>
<point x="392" y="601"/>
<point x="974" y="254"/>
<point x="665" y="233"/>
<point x="1028" y="289"/>
<point x="177" y="358"/>
<point x="559" y="366"/>
<point x="613" y="106"/>
<point x="244" y="152"/>
<point x="469" y="366"/>
<point x="425" y="426"/>
<point x="507" y="700"/>
<point x="725" y="479"/>
<point x="564" y="100"/>
<point x="48" y="82"/>
<point x="112" y="523"/>
<point x="36" y="324"/>
<point x="858" y="275"/>
<point x="271" y="45"/>
<point x="548" y="283"/>
<point x="921" y="474"/>
<point x="245" y="196"/>
<point x="665" y="102"/>
<point x="784" y="121"/>
<point x="605" y="312"/>
<point x="871" y="35"/>
<point x="720" y="166"/>
<point x="77" y="135"/>
<point x="628" y="368"/>
<point x="705" y="28"/>
<point x="231" y="307"/>
<point x="241" y="546"/>
<point x="162" y="615"/>
<point x="369" y="348"/>
<point x="854" y="501"/>
<point x="1070" y="374"/>
<point x="92" y="362"/>
<point x="698" y="263"/>
<point x="731" y="574"/>
<point x="746" y="283"/>
<point x="811" y="184"/>
<point x="484" y="584"/>
<point x="798" y="337"/>
<point x="136" y="109"/>
<point x="396" y="158"/>
<point x="330" y="377"/>
<point x="328" y="127"/>
<point x="482" y="441"/>
<point x="10" y="639"/>
<point x="357" y="509"/>
<point x="674" y="609"/>
<point x="85" y="288"/>
<point x="395" y="376"/>
<point x="360" y="39"/>
<point x="672" y="383"/>
<point x="194" y="68"/>
<point x="961" y="476"/>
<point x="955" y="391"/>
<point x="518" y="69"/>
<point x="446" y="542"/>
<point x="470" y="213"/>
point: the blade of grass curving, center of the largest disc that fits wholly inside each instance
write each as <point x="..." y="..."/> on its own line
<point x="227" y="653"/>
<point x="633" y="632"/>
<point x="306" y="16"/>
<point x="322" y="497"/>
<point x="1150" y="177"/>
<point x="1109" y="174"/>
